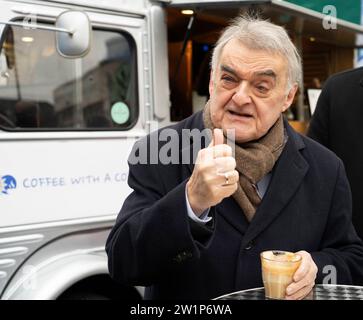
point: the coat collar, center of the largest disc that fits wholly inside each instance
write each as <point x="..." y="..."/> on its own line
<point x="287" y="175"/>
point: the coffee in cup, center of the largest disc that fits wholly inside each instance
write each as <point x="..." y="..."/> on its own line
<point x="278" y="268"/>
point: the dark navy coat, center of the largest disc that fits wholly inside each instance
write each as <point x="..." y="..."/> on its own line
<point x="338" y="124"/>
<point x="307" y="206"/>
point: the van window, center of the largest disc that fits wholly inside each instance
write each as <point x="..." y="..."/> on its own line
<point x="41" y="90"/>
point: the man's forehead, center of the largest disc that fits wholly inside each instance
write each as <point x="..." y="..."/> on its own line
<point x="238" y="56"/>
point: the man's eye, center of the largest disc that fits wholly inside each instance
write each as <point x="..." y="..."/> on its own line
<point x="228" y="79"/>
<point x="262" y="89"/>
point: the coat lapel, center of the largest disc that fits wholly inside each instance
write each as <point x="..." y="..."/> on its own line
<point x="287" y="176"/>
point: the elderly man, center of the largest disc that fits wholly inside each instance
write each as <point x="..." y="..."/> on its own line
<point x="196" y="230"/>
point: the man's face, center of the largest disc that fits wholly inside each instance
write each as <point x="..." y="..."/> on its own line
<point x="248" y="91"/>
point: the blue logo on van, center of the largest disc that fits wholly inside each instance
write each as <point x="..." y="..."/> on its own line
<point x="6" y="183"/>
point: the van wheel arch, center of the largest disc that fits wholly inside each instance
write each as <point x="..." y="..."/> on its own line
<point x="100" y="287"/>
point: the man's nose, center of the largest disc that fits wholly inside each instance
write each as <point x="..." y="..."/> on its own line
<point x="242" y="94"/>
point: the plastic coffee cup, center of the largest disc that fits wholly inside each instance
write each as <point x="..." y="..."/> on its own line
<point x="278" y="268"/>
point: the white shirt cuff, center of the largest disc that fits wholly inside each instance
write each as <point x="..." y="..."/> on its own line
<point x="203" y="218"/>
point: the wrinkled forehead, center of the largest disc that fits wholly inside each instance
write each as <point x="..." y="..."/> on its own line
<point x="241" y="58"/>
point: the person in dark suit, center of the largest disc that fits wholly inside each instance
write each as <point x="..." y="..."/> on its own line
<point x="202" y="210"/>
<point x="337" y="124"/>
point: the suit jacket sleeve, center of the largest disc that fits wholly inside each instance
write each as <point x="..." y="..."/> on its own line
<point x="153" y="233"/>
<point x="341" y="247"/>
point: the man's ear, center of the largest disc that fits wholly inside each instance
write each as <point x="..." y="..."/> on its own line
<point x="211" y="83"/>
<point x="290" y="97"/>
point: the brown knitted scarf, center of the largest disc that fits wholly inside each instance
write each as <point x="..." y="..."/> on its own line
<point x="254" y="160"/>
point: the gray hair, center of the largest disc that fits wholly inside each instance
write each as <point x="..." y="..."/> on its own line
<point x="260" y="34"/>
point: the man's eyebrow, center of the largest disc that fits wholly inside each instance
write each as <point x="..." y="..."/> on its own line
<point x="229" y="70"/>
<point x="268" y="73"/>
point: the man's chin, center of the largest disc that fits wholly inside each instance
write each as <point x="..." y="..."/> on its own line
<point x="241" y="133"/>
<point x="243" y="137"/>
<point x="242" y="140"/>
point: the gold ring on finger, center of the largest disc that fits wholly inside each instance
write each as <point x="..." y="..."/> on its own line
<point x="226" y="176"/>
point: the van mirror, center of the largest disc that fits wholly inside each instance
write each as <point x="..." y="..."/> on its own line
<point x="75" y="40"/>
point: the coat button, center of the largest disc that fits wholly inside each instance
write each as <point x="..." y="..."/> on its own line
<point x="249" y="246"/>
<point x="182" y="256"/>
<point x="186" y="255"/>
<point x="178" y="258"/>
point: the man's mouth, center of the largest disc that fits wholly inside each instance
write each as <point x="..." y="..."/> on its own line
<point x="240" y="114"/>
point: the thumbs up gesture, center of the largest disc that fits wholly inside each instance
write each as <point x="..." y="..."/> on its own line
<point x="214" y="176"/>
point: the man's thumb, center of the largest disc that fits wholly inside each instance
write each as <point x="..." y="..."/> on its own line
<point x="218" y="136"/>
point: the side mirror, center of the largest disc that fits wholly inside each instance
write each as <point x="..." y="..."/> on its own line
<point x="77" y="41"/>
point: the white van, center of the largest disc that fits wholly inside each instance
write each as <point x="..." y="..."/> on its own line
<point x="66" y="128"/>
<point x="69" y="115"/>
